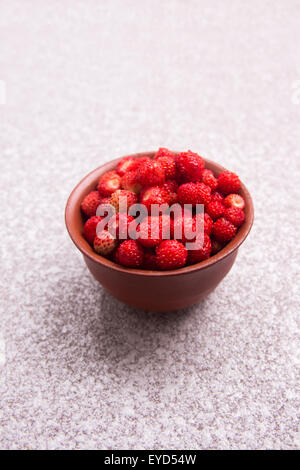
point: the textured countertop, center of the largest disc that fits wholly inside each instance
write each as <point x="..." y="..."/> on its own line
<point x="87" y="81"/>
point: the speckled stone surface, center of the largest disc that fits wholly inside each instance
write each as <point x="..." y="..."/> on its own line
<point x="87" y="81"/>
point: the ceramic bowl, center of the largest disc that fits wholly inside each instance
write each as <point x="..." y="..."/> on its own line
<point x="158" y="291"/>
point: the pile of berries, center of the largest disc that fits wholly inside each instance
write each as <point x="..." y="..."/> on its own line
<point x="165" y="179"/>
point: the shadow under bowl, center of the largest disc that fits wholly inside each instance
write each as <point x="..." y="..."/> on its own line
<point x="158" y="291"/>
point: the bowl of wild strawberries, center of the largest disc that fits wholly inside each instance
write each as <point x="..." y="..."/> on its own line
<point x="159" y="230"/>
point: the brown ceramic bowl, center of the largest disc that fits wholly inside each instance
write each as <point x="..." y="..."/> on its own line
<point x="158" y="291"/>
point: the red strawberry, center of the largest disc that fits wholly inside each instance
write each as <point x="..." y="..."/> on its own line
<point x="149" y="261"/>
<point x="108" y="183"/>
<point x="223" y="230"/>
<point x="189" y="226"/>
<point x="201" y="253"/>
<point x="119" y="225"/>
<point x="90" y="203"/>
<point x="228" y="182"/>
<point x="166" y="226"/>
<point x="183" y="228"/>
<point x="130" y="254"/>
<point x="190" y="166"/>
<point x="105" y="200"/>
<point x="130" y="182"/>
<point x="169" y="165"/>
<point x="104" y="243"/>
<point x="194" y="193"/>
<point x="154" y="195"/>
<point x="163" y="152"/>
<point x="215" y="209"/>
<point x="89" y="228"/>
<point x="156" y="182"/>
<point x="171" y="187"/>
<point x="152" y="230"/>
<point x="217" y="196"/>
<point x="234" y="200"/>
<point x="127" y="164"/>
<point x="207" y="220"/>
<point x="151" y="173"/>
<point x="209" y="179"/>
<point x="235" y="215"/>
<point x="105" y="207"/>
<point x="122" y="199"/>
<point x="171" y="254"/>
<point x="148" y="231"/>
<point x="215" y="246"/>
<point x="142" y="160"/>
<point x="180" y="211"/>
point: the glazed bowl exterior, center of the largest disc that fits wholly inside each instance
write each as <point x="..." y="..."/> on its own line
<point x="158" y="291"/>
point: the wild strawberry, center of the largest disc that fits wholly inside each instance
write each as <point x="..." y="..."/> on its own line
<point x="235" y="215"/>
<point x="209" y="179"/>
<point x="201" y="253"/>
<point x="228" y="182"/>
<point x="104" y="243"/>
<point x="163" y="152"/>
<point x="123" y="199"/>
<point x="108" y="183"/>
<point x="181" y="211"/>
<point x="154" y="195"/>
<point x="194" y="193"/>
<point x="151" y="173"/>
<point x="169" y="165"/>
<point x="90" y="203"/>
<point x="130" y="182"/>
<point x="215" y="209"/>
<point x="105" y="200"/>
<point x="148" y="232"/>
<point x="149" y="261"/>
<point x="127" y="164"/>
<point x="165" y="180"/>
<point x="190" y="165"/>
<point x="223" y="230"/>
<point x="142" y="160"/>
<point x="217" y="196"/>
<point x="184" y="228"/>
<point x="119" y="225"/>
<point x="130" y="254"/>
<point x="105" y="208"/>
<point x="152" y="230"/>
<point x="89" y="228"/>
<point x="190" y="226"/>
<point x="234" y="200"/>
<point x="215" y="246"/>
<point x="171" y="187"/>
<point x="171" y="254"/>
<point x="206" y="220"/>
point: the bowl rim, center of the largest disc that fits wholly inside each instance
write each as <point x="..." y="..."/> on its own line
<point x="80" y="242"/>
